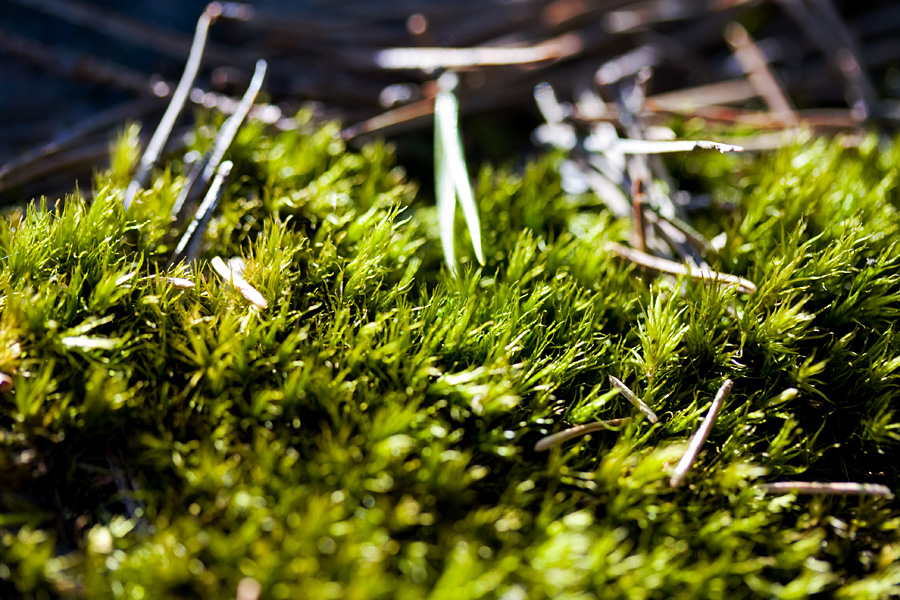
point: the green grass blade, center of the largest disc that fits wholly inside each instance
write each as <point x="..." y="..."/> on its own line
<point x="446" y="111"/>
<point x="445" y="191"/>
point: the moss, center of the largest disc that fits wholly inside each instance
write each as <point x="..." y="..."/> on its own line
<point x="370" y="434"/>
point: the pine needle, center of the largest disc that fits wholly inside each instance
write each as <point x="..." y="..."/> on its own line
<point x="451" y="175"/>
<point x="700" y="436"/>
<point x="205" y="168"/>
<point x="628" y="146"/>
<point x="663" y="265"/>
<point x="565" y="435"/>
<point x="839" y="488"/>
<point x="637" y="402"/>
<point x="164" y="129"/>
<point x="186" y="251"/>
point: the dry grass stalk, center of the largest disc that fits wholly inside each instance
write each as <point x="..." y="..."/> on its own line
<point x="637" y="402"/>
<point x="700" y="436"/>
<point x="839" y="488"/>
<point x="662" y="265"/>
<point x="553" y="440"/>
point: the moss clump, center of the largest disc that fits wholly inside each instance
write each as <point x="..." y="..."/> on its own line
<point x="371" y="433"/>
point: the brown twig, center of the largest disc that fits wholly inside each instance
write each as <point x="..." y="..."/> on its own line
<point x="761" y="77"/>
<point x="662" y="265"/>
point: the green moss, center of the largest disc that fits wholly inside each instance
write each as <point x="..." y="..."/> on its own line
<point x="371" y="433"/>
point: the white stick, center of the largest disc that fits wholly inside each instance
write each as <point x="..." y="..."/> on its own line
<point x="700" y="437"/>
<point x="629" y="395"/>
<point x="628" y="146"/>
<point x="838" y="488"/>
<point x="565" y="435"/>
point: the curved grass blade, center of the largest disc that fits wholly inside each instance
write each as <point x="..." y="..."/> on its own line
<point x="445" y="195"/>
<point x="451" y="176"/>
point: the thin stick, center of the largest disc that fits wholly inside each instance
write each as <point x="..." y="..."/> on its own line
<point x="560" y="437"/>
<point x="429" y="59"/>
<point x="663" y="265"/>
<point x="837" y="488"/>
<point x="206" y="167"/>
<point x="187" y="247"/>
<point x="756" y="65"/>
<point x="637" y="201"/>
<point x="638" y="403"/>
<point x="700" y="436"/>
<point x="628" y="146"/>
<point x="164" y="129"/>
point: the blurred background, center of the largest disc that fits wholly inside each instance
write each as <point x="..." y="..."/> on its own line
<point x="74" y="72"/>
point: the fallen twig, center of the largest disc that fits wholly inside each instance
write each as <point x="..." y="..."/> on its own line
<point x="663" y="265"/>
<point x="700" y="436"/>
<point x="838" y="488"/>
<point x="755" y="64"/>
<point x="430" y="59"/>
<point x="164" y="129"/>
<point x="565" y="435"/>
<point x="637" y="402"/>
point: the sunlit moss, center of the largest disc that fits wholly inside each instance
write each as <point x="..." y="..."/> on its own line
<point x="370" y="434"/>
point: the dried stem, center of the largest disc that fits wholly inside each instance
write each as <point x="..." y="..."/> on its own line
<point x="662" y="265"/>
<point x="205" y="168"/>
<point x="551" y="441"/>
<point x="637" y="402"/>
<point x="186" y="251"/>
<point x="164" y="129"/>
<point x="700" y="436"/>
<point x="839" y="488"/>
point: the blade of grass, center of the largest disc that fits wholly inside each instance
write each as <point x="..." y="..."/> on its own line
<point x="451" y="170"/>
